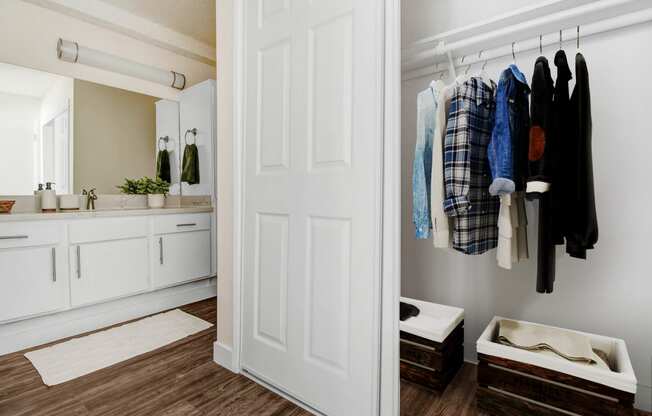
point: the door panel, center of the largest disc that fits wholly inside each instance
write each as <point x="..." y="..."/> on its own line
<point x="32" y="281"/>
<point x="329" y="92"/>
<point x="312" y="163"/>
<point x="328" y="292"/>
<point x="270" y="316"/>
<point x="108" y="270"/>
<point x="181" y="257"/>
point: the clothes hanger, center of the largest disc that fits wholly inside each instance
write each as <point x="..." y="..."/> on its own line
<point x="463" y="77"/>
<point x="483" y="73"/>
<point x="513" y="54"/>
<point x="578" y="40"/>
<point x="560" y="47"/>
<point x="541" y="44"/>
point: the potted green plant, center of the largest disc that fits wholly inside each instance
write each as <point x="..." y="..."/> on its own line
<point x="155" y="189"/>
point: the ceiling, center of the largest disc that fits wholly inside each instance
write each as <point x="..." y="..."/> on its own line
<point x="194" y="18"/>
<point x="24" y="81"/>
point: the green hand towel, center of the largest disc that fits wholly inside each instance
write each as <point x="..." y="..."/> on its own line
<point x="163" y="166"/>
<point x="190" y="172"/>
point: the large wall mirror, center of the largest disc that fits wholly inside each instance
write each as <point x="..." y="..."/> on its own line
<point x="80" y="135"/>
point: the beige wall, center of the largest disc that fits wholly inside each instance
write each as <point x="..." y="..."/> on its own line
<point x="225" y="172"/>
<point x="114" y="136"/>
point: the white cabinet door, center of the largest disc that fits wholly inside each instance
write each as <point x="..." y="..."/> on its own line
<point x="180" y="257"/>
<point x="32" y="281"/>
<point x="312" y="155"/>
<point x="107" y="270"/>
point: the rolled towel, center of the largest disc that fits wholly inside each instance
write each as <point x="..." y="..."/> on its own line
<point x="190" y="167"/>
<point x="163" y="166"/>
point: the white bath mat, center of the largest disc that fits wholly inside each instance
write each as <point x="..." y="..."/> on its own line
<point x="80" y="356"/>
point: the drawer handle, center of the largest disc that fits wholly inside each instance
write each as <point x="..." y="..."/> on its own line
<point x="78" y="262"/>
<point x="13" y="237"/>
<point x="54" y="264"/>
<point x="416" y="344"/>
<point x="160" y="247"/>
<point x="417" y="365"/>
<point x="190" y="224"/>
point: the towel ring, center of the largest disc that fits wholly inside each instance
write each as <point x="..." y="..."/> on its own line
<point x="194" y="133"/>
<point x="165" y="140"/>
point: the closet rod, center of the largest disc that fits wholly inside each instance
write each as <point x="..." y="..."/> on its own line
<point x="569" y="35"/>
<point x="543" y="24"/>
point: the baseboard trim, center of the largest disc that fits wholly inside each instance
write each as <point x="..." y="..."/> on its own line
<point x="223" y="355"/>
<point x="17" y="336"/>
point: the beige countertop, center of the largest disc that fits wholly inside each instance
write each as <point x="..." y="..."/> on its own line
<point x="102" y="213"/>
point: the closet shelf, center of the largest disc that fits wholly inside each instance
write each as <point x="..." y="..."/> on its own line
<point x="418" y="61"/>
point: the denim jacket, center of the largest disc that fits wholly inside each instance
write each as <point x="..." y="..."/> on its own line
<point x="422" y="167"/>
<point x="512" y="121"/>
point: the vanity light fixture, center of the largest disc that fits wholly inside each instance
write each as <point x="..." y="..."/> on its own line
<point x="74" y="53"/>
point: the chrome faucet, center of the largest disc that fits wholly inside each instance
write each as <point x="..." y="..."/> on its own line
<point x="90" y="201"/>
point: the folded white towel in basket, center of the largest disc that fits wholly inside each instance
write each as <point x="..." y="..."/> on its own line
<point x="549" y="341"/>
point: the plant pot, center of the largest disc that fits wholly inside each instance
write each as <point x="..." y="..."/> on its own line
<point x="156" y="200"/>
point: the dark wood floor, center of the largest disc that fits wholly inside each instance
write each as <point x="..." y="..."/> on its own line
<point x="181" y="379"/>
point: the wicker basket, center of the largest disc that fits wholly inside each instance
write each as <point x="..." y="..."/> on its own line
<point x="6" y="206"/>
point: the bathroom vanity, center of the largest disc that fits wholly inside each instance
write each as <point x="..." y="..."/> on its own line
<point x="70" y="271"/>
<point x="56" y="263"/>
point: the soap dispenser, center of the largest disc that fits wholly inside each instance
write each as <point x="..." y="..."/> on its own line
<point x="37" y="197"/>
<point x="49" y="198"/>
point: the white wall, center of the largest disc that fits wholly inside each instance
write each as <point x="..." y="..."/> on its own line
<point x="611" y="292"/>
<point x="30" y="34"/>
<point x="422" y="18"/>
<point x="19" y="123"/>
<point x="56" y="100"/>
<point x="225" y="172"/>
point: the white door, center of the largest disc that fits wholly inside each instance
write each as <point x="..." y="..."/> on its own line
<point x="108" y="270"/>
<point x="312" y="176"/>
<point x="181" y="257"/>
<point x="32" y="281"/>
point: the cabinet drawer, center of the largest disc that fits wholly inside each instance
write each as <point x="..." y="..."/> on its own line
<point x="88" y="231"/>
<point x="29" y="234"/>
<point x="167" y="224"/>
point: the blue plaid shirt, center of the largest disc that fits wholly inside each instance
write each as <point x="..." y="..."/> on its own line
<point x="466" y="169"/>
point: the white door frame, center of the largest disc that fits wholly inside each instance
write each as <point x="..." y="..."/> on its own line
<point x="390" y="259"/>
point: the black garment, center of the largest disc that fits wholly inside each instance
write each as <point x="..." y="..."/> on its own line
<point x="541" y="164"/>
<point x="559" y="159"/>
<point x="407" y="310"/>
<point x="582" y="229"/>
<point x="546" y="260"/>
<point x="542" y="123"/>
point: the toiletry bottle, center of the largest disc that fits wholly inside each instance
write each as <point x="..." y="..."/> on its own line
<point x="49" y="198"/>
<point x="37" y="197"/>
